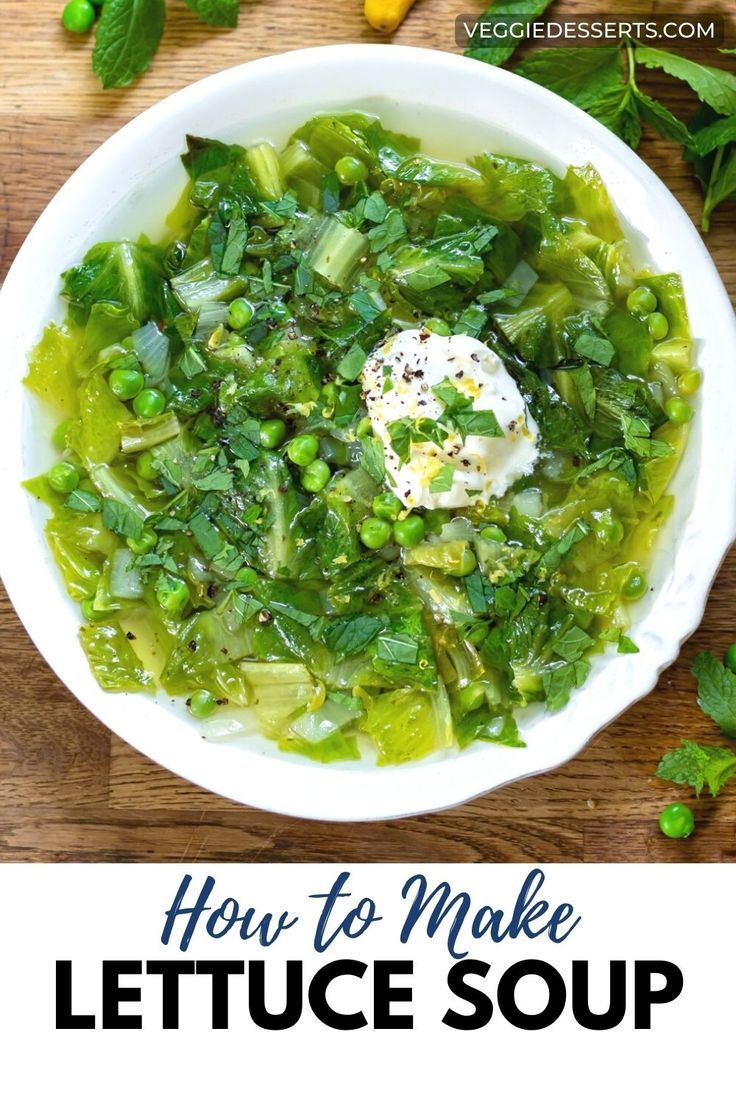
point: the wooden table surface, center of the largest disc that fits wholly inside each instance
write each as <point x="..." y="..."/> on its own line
<point x="69" y="790"/>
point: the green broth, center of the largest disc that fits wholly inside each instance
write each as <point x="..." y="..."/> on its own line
<point x="228" y="527"/>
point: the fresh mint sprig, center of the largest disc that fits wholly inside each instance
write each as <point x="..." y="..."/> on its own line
<point x="128" y="33"/>
<point x="698" y="765"/>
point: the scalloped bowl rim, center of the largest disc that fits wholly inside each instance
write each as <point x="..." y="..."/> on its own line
<point x="425" y="81"/>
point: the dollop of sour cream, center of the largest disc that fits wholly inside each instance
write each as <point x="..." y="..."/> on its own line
<point x="398" y="379"/>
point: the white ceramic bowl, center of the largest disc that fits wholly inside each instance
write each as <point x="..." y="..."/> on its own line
<point x="456" y="106"/>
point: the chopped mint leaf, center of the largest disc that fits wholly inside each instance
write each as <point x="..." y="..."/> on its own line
<point x="352" y="363"/>
<point x="367" y="305"/>
<point x="447" y="392"/>
<point x="243" y="607"/>
<point x="218" y="13"/>
<point x="443" y="480"/>
<point x="499" y="49"/>
<point x="478" y="423"/>
<point x="346" y="636"/>
<point x="554" y="555"/>
<point x="121" y="519"/>
<point x="372" y="458"/>
<point x="388" y="232"/>
<point x="330" y="193"/>
<point x="84" y="502"/>
<point x="404" y="432"/>
<point x="217" y="480"/>
<point x="206" y="535"/>
<point x="397" y="648"/>
<point x="127" y="37"/>
<point x="375" y="208"/>
<point x="593" y="347"/>
<point x="561" y="681"/>
<point x="638" y="438"/>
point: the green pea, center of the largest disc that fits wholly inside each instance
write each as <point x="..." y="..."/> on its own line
<point x="409" y="531"/>
<point x="493" y="533"/>
<point x="145" y="466"/>
<point x="688" y="384"/>
<point x="90" y="613"/>
<point x="279" y="311"/>
<point x="149" y="403"/>
<point x="635" y="586"/>
<point x="246" y="577"/>
<point x="435" y="520"/>
<point x="350" y="170"/>
<point x="658" y="325"/>
<point x="78" y="16"/>
<point x="202" y="704"/>
<point x="375" y="532"/>
<point x="63" y="478"/>
<point x="468" y="563"/>
<point x="731" y="658"/>
<point x="303" y="450"/>
<point x="438" y="326"/>
<point x="471" y="697"/>
<point x="239" y="314"/>
<point x="125" y="383"/>
<point x="316" y="476"/>
<point x="272" y="433"/>
<point x="607" y="528"/>
<point x="386" y="506"/>
<point x="676" y="821"/>
<point x="172" y="594"/>
<point x="678" y="411"/>
<point x="641" y="301"/>
<point x="145" y="543"/>
<point x="61" y="434"/>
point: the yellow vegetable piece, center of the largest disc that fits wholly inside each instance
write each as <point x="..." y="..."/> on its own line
<point x="386" y="15"/>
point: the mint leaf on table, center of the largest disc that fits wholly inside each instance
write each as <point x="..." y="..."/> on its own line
<point x="716" y="87"/>
<point x="372" y="458"/>
<point x="496" y="51"/>
<point x="716" y="691"/>
<point x="217" y="13"/>
<point x="661" y="119"/>
<point x="127" y="37"/>
<point x="591" y="78"/>
<point x="698" y="766"/>
<point x="595" y="80"/>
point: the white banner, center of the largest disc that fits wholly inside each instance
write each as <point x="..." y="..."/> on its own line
<point x="321" y="983"/>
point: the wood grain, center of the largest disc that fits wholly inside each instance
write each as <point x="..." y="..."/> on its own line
<point x="71" y="791"/>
